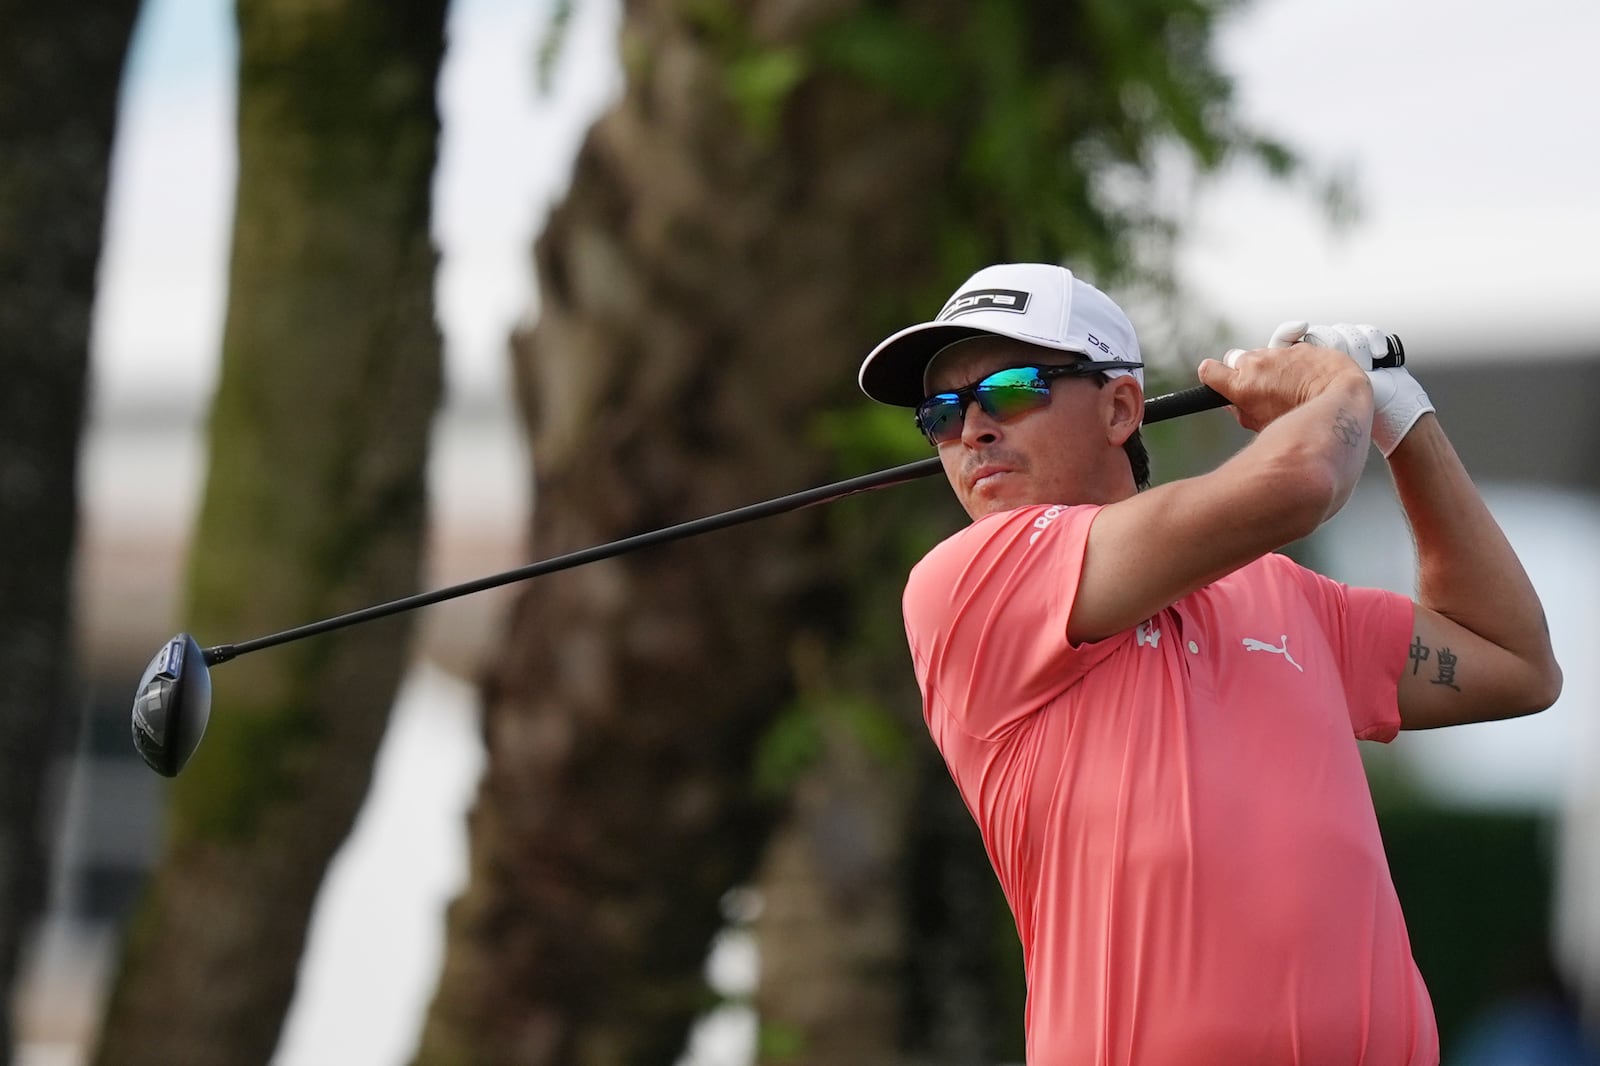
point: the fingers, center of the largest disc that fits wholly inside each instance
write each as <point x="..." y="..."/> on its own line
<point x="1336" y="337"/>
<point x="1263" y="383"/>
<point x="1216" y="372"/>
<point x="1221" y="374"/>
<point x="1288" y="333"/>
<point x="1364" y="343"/>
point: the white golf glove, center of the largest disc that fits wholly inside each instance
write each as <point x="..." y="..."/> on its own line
<point x="1397" y="397"/>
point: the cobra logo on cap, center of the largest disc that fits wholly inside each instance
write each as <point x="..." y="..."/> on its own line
<point x="1013" y="300"/>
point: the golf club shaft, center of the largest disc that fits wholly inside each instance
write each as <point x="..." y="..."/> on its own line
<point x="1159" y="409"/>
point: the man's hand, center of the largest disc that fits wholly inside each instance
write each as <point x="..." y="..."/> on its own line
<point x="1311" y="408"/>
<point x="1265" y="384"/>
<point x="1397" y="397"/>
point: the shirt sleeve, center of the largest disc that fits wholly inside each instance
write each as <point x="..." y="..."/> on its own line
<point x="1370" y="629"/>
<point x="986" y="616"/>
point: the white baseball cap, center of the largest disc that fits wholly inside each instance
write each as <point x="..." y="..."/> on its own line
<point x="1038" y="303"/>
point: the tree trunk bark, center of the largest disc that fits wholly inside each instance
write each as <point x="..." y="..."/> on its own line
<point x="314" y="504"/>
<point x="60" y="71"/>
<point x="831" y="927"/>
<point x="706" y="291"/>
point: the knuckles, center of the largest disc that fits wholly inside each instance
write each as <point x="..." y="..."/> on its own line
<point x="1264" y="383"/>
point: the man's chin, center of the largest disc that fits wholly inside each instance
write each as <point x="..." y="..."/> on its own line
<point x="988" y="499"/>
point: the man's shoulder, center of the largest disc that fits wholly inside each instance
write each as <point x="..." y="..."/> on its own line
<point x="1020" y="527"/>
<point x="998" y="557"/>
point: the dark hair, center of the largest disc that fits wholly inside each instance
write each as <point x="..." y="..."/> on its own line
<point x="1138" y="454"/>
<point x="1139" y="459"/>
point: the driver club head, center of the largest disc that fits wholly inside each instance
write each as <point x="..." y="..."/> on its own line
<point x="172" y="705"/>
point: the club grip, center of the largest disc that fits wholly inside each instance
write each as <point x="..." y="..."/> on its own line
<point x="1396" y="356"/>
<point x="1184" y="402"/>
<point x="1204" y="398"/>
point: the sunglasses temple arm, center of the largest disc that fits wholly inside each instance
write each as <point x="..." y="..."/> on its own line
<point x="1158" y="409"/>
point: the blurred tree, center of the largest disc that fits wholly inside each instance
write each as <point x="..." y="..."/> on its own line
<point x="60" y="70"/>
<point x="781" y="184"/>
<point x="314" y="504"/>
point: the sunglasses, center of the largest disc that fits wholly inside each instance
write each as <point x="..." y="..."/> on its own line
<point x="1003" y="395"/>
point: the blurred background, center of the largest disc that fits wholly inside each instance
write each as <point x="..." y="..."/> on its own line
<point x="310" y="306"/>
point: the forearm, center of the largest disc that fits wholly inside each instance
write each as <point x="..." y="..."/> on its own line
<point x="1312" y="415"/>
<point x="1478" y="622"/>
<point x="1151" y="549"/>
<point x="1323" y="440"/>
<point x="1466" y="569"/>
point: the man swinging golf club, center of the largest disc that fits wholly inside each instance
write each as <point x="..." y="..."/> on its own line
<point x="1151" y="715"/>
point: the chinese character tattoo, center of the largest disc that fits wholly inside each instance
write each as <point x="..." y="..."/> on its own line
<point x="1447" y="670"/>
<point x="1419" y="654"/>
<point x="1446" y="660"/>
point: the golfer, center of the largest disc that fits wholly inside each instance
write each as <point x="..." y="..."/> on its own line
<point x="1151" y="715"/>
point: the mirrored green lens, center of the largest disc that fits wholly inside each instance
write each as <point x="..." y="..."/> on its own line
<point x="1009" y="393"/>
<point x="1003" y="395"/>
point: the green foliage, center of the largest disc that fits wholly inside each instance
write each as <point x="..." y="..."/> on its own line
<point x="896" y="527"/>
<point x="759" y="81"/>
<point x="869" y="436"/>
<point x="1391" y="779"/>
<point x="905" y="60"/>
<point x="1064" y="111"/>
<point x="1476" y="888"/>
<point x="1067" y="117"/>
<point x="716" y="20"/>
<point x="792" y="746"/>
<point x="777" y="1042"/>
<point x="801" y="735"/>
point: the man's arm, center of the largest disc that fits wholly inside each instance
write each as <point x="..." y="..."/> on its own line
<point x="1312" y="408"/>
<point x="1481" y="648"/>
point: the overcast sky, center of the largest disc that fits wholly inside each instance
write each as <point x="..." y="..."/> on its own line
<point x="1471" y="130"/>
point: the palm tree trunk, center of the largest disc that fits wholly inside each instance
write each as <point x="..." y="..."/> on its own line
<point x="60" y="71"/>
<point x="704" y="297"/>
<point x="831" y="927"/>
<point x="314" y="504"/>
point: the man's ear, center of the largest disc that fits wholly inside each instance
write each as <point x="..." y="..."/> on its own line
<point x="1124" y="408"/>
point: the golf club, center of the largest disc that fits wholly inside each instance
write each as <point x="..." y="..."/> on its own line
<point x="173" y="701"/>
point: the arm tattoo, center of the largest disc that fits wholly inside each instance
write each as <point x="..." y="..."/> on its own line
<point x="1447" y="670"/>
<point x="1346" y="428"/>
<point x="1446" y="661"/>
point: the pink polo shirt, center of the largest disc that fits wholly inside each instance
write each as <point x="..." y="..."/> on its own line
<point x="1178" y="814"/>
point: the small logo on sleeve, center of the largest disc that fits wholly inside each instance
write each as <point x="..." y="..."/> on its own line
<point x="1043" y="522"/>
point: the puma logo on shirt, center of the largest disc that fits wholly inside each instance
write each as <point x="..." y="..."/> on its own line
<point x="1251" y="644"/>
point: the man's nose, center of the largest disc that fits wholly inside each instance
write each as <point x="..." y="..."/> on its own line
<point x="978" y="426"/>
